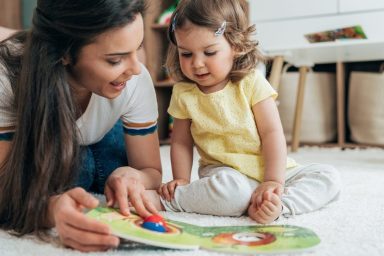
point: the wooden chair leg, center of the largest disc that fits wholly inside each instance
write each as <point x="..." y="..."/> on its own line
<point x="274" y="77"/>
<point x="340" y="83"/>
<point x="299" y="109"/>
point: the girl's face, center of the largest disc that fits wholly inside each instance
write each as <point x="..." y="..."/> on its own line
<point x="104" y="66"/>
<point x="204" y="58"/>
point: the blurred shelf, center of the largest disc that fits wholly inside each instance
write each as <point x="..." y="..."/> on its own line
<point x="360" y="145"/>
<point x="345" y="145"/>
<point x="159" y="26"/>
<point x="156" y="44"/>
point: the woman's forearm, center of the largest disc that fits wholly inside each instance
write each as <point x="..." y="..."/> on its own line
<point x="150" y="178"/>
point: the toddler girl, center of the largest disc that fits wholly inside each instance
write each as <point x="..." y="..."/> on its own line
<point x="225" y="107"/>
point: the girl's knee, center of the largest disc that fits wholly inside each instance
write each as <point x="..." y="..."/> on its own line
<point x="335" y="178"/>
<point x="331" y="173"/>
<point x="330" y="176"/>
<point x="232" y="191"/>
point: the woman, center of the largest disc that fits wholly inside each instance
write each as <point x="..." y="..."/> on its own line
<point x="63" y="85"/>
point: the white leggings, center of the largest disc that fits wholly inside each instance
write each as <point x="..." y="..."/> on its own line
<point x="223" y="191"/>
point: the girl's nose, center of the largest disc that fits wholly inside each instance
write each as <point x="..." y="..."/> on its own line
<point x="198" y="62"/>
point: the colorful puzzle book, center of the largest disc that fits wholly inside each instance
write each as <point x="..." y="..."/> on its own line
<point x="230" y="239"/>
<point x="354" y="32"/>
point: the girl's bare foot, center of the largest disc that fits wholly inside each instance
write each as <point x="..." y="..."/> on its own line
<point x="268" y="211"/>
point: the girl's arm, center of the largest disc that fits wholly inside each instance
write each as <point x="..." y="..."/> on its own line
<point x="182" y="149"/>
<point x="273" y="144"/>
<point x="181" y="158"/>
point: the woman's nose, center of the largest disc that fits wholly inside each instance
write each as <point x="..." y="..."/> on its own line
<point x="134" y="66"/>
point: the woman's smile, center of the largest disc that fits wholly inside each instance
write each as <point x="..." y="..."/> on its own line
<point x="119" y="85"/>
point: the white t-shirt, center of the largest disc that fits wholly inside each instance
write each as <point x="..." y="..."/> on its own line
<point x="136" y="106"/>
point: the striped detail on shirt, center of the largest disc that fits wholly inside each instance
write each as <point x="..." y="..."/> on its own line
<point x="140" y="129"/>
<point x="6" y="133"/>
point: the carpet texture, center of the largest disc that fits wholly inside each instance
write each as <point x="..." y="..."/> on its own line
<point x="354" y="225"/>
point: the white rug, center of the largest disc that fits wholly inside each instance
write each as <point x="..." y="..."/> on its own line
<point x="352" y="226"/>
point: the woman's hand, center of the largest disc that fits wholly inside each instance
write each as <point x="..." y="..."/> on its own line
<point x="167" y="190"/>
<point x="75" y="229"/>
<point x="124" y="185"/>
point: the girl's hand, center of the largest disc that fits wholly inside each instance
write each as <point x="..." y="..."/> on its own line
<point x="76" y="230"/>
<point x="167" y="190"/>
<point x="264" y="190"/>
<point x="123" y="186"/>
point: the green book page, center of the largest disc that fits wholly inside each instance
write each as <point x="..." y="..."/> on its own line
<point x="232" y="239"/>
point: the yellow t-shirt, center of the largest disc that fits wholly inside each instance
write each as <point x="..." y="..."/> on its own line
<point x="223" y="126"/>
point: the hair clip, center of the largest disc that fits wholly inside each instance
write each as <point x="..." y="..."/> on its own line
<point x="173" y="26"/>
<point x="221" y="29"/>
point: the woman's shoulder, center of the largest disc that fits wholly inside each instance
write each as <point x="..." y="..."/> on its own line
<point x="14" y="45"/>
<point x="7" y="104"/>
<point x="139" y="83"/>
<point x="143" y="77"/>
<point x="5" y="84"/>
<point x="10" y="58"/>
<point x="139" y="90"/>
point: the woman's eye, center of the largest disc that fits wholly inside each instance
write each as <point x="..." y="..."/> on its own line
<point x="114" y="62"/>
<point x="210" y="53"/>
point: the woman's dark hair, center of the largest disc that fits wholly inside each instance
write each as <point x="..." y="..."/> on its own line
<point x="211" y="14"/>
<point x="44" y="155"/>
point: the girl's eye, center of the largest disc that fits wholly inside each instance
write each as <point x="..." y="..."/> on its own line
<point x="209" y="53"/>
<point x="186" y="54"/>
<point x="114" y="62"/>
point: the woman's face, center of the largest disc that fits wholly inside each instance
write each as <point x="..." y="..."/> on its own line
<point x="104" y="66"/>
